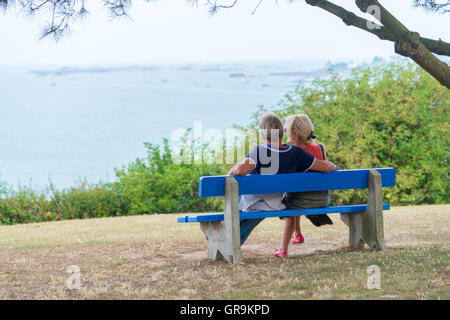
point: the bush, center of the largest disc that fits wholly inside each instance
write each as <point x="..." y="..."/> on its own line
<point x="388" y="116"/>
<point x="84" y="201"/>
<point x="160" y="185"/>
<point x="23" y="205"/>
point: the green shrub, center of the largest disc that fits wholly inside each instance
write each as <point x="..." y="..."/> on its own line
<point x="23" y="205"/>
<point x="84" y="201"/>
<point x="388" y="116"/>
<point x="88" y="201"/>
<point x="158" y="184"/>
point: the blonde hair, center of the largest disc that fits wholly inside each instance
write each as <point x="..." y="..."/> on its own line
<point x="268" y="123"/>
<point x="300" y="127"/>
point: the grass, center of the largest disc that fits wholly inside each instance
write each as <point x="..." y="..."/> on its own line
<point x="153" y="257"/>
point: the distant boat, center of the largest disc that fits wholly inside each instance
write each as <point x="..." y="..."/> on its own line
<point x="237" y="75"/>
<point x="75" y="70"/>
<point x="289" y="74"/>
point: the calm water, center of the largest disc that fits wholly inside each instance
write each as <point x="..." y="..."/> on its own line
<point x="67" y="125"/>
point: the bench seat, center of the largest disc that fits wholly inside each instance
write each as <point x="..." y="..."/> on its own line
<point x="281" y="213"/>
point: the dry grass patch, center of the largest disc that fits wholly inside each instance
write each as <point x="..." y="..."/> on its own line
<point x="153" y="257"/>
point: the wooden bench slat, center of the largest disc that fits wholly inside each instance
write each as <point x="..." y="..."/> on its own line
<point x="282" y="213"/>
<point x="296" y="182"/>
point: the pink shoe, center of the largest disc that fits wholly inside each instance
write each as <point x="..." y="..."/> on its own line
<point x="280" y="254"/>
<point x="298" y="239"/>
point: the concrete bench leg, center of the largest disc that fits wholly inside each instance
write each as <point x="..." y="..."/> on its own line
<point x="224" y="240"/>
<point x="367" y="227"/>
<point x="354" y="223"/>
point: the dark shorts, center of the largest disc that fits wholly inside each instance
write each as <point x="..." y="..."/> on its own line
<point x="306" y="200"/>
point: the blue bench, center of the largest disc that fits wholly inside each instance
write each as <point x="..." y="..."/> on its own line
<point x="365" y="221"/>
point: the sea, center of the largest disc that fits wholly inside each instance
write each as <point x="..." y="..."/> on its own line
<point x="65" y="124"/>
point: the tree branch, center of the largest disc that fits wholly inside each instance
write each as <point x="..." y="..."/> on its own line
<point x="438" y="47"/>
<point x="407" y="43"/>
<point x="351" y="19"/>
<point x="433" y="6"/>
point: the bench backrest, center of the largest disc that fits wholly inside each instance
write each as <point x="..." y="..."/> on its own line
<point x="296" y="182"/>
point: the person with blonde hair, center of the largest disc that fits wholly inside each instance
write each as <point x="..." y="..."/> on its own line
<point x="300" y="132"/>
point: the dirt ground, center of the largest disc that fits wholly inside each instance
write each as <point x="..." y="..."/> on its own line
<point x="154" y="257"/>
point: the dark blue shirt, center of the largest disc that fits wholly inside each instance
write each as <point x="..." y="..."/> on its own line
<point x="287" y="159"/>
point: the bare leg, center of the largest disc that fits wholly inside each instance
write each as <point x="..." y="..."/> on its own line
<point x="297" y="229"/>
<point x="287" y="235"/>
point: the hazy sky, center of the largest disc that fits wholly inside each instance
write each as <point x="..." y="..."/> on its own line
<point x="173" y="31"/>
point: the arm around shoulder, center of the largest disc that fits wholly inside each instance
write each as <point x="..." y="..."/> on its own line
<point x="324" y="166"/>
<point x="244" y="167"/>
